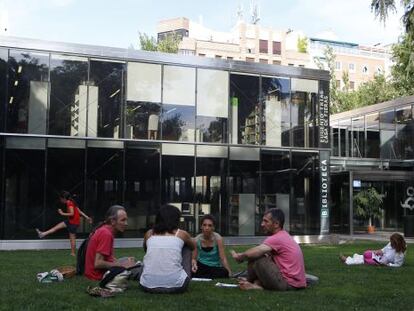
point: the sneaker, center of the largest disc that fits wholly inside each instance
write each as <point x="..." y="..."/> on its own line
<point x="39" y="233"/>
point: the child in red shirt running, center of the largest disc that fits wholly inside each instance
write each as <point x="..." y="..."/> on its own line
<point x="73" y="213"/>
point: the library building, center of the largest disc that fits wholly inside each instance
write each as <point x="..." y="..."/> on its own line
<point x="141" y="129"/>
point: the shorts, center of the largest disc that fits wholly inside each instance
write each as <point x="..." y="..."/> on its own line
<point x="71" y="227"/>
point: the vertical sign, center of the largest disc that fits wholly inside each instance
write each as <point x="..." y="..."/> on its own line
<point x="324" y="155"/>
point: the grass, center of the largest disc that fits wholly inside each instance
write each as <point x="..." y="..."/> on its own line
<point x="340" y="288"/>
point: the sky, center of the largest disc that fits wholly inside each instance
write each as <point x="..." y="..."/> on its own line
<point x="117" y="23"/>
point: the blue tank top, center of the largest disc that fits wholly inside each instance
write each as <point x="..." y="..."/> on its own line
<point x="209" y="258"/>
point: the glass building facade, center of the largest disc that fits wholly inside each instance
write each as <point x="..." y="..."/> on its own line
<point x="373" y="147"/>
<point x="142" y="129"/>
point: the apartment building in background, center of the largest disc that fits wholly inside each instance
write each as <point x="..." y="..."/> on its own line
<point x="255" y="43"/>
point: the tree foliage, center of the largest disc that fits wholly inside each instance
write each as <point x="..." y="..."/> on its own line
<point x="167" y="45"/>
<point x="302" y="44"/>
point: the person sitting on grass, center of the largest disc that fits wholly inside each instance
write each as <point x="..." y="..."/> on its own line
<point x="167" y="262"/>
<point x="391" y="255"/>
<point x="100" y="250"/>
<point x="73" y="213"/>
<point x="277" y="263"/>
<point x="209" y="258"/>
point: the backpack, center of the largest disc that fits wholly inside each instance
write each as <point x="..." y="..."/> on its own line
<point x="81" y="255"/>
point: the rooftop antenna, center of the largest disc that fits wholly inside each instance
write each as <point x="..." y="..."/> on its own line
<point x="255" y="12"/>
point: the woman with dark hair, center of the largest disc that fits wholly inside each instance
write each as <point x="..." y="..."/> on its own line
<point x="73" y="213"/>
<point x="391" y="255"/>
<point x="209" y="257"/>
<point x="167" y="262"/>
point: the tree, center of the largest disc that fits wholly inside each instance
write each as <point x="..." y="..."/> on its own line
<point x="302" y="44"/>
<point x="368" y="204"/>
<point x="169" y="44"/>
<point x="381" y="8"/>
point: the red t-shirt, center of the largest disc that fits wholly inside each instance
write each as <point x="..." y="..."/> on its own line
<point x="75" y="219"/>
<point x="288" y="256"/>
<point x="102" y="241"/>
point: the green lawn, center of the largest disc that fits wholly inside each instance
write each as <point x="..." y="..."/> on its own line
<point x="340" y="288"/>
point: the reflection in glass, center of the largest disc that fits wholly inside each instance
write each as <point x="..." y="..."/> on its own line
<point x="3" y="88"/>
<point x="210" y="186"/>
<point x="339" y="208"/>
<point x="212" y="105"/>
<point x="373" y="135"/>
<point x="387" y="134"/>
<point x="276" y="109"/>
<point x="344" y="135"/>
<point x="178" y="187"/>
<point x="68" y="96"/>
<point x="143" y="120"/>
<point x="245" y="110"/>
<point x="303" y="119"/>
<point x="65" y="171"/>
<point x="305" y="212"/>
<point x="335" y="138"/>
<point x="275" y="183"/>
<point x="358" y="137"/>
<point x="405" y="130"/>
<point x="104" y="180"/>
<point x="28" y="91"/>
<point x="24" y="189"/>
<point x="178" y="123"/>
<point x="142" y="187"/>
<point x="243" y="183"/>
<point x="106" y="89"/>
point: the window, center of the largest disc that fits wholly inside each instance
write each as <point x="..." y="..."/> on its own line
<point x="291" y="65"/>
<point x="250" y="59"/>
<point x="277" y="47"/>
<point x="263" y="61"/>
<point x="277" y="62"/>
<point x="365" y="69"/>
<point x="303" y="66"/>
<point x="229" y="57"/>
<point x="338" y="83"/>
<point x="201" y="54"/>
<point x="379" y="70"/>
<point x="338" y="66"/>
<point x="263" y="46"/>
<point x="217" y="56"/>
<point x="351" y="67"/>
<point x="351" y="85"/>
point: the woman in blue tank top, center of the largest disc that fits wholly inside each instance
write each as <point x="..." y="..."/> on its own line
<point x="209" y="257"/>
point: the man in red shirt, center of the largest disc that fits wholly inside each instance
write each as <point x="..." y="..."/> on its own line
<point x="100" y="251"/>
<point x="277" y="263"/>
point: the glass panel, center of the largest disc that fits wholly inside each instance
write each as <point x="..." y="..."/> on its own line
<point x="344" y="135"/>
<point x="143" y="120"/>
<point x="3" y="89"/>
<point x="358" y="137"/>
<point x="68" y="95"/>
<point x="305" y="211"/>
<point x="387" y="135"/>
<point x="178" y="187"/>
<point x="179" y="86"/>
<point x="275" y="181"/>
<point x="24" y="193"/>
<point x="142" y="192"/>
<point x="104" y="178"/>
<point x="303" y="119"/>
<point x="65" y="171"/>
<point x="212" y="105"/>
<point x="178" y="123"/>
<point x="245" y="109"/>
<point x="210" y="190"/>
<point x="243" y="191"/>
<point x="339" y="209"/>
<point x="106" y="89"/>
<point x="276" y="109"/>
<point x="28" y="92"/>
<point x="405" y="129"/>
<point x="144" y="82"/>
<point x="373" y="135"/>
<point x="335" y="138"/>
